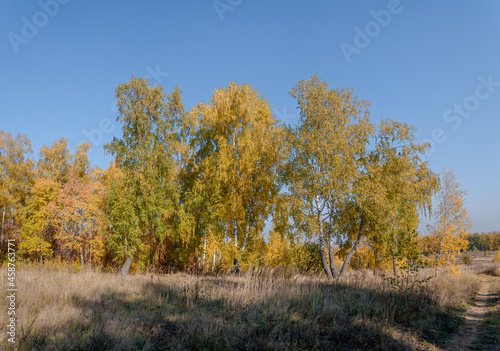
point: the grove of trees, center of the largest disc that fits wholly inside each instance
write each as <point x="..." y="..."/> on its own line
<point x="194" y="189"/>
<point x="484" y="241"/>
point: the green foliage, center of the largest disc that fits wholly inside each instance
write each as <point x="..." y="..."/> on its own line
<point x="484" y="241"/>
<point x="16" y="180"/>
<point x="144" y="191"/>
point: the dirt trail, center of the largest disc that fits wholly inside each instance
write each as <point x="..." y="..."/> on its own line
<point x="468" y="333"/>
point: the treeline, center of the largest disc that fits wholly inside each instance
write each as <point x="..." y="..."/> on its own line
<point x="484" y="241"/>
<point x="193" y="189"/>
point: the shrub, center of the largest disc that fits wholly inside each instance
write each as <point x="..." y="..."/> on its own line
<point x="467" y="259"/>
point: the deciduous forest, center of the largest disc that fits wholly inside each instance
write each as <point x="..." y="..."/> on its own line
<point x="194" y="190"/>
<point x="221" y="228"/>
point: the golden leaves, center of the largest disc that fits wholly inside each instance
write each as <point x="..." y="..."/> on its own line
<point x="448" y="236"/>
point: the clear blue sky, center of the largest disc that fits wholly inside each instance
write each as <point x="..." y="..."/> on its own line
<point x="420" y="62"/>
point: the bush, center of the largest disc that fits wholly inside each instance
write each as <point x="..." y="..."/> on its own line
<point x="496" y="259"/>
<point x="467" y="259"/>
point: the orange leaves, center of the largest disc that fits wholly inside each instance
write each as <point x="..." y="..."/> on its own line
<point x="79" y="218"/>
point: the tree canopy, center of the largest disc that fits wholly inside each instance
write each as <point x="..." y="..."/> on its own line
<point x="198" y="189"/>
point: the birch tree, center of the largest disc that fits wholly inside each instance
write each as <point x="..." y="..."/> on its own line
<point x="147" y="173"/>
<point x="354" y="180"/>
<point x="330" y="139"/>
<point x="448" y="235"/>
<point x="234" y="164"/>
<point x="16" y="181"/>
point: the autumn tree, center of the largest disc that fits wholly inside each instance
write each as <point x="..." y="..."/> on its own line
<point x="330" y="138"/>
<point x="80" y="167"/>
<point x="38" y="229"/>
<point x="60" y="198"/>
<point x="234" y="165"/>
<point x="16" y="180"/>
<point x="448" y="235"/>
<point x="352" y="182"/>
<point x="54" y="162"/>
<point x="78" y="218"/>
<point x="279" y="250"/>
<point x="395" y="187"/>
<point x="144" y="199"/>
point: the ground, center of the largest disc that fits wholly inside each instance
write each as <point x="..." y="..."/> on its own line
<point x="481" y="329"/>
<point x="60" y="309"/>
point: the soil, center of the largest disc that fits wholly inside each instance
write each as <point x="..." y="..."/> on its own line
<point x="474" y="334"/>
<point x="467" y="336"/>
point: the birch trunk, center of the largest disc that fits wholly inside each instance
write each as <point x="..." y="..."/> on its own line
<point x="204" y="251"/>
<point x="126" y="266"/>
<point x="353" y="250"/>
<point x="331" y="256"/>
<point x="247" y="230"/>
<point x="82" y="260"/>
<point x="394" y="264"/>
<point x="325" y="265"/>
<point x="213" y="260"/>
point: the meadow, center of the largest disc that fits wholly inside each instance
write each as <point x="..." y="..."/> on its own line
<point x="261" y="309"/>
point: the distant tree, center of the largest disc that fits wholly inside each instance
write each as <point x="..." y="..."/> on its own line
<point x="55" y="162"/>
<point x="448" y="236"/>
<point x="279" y="250"/>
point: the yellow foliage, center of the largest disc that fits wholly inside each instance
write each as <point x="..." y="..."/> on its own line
<point x="448" y="236"/>
<point x="35" y="248"/>
<point x="278" y="250"/>
<point x="496" y="259"/>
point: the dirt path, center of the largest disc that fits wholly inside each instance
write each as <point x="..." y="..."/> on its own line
<point x="468" y="333"/>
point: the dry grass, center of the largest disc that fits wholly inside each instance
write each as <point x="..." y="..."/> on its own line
<point x="265" y="310"/>
<point x="481" y="261"/>
<point x="492" y="269"/>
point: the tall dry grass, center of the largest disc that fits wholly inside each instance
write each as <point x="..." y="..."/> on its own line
<point x="264" y="309"/>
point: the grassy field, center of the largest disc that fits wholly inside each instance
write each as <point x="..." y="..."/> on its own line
<point x="264" y="310"/>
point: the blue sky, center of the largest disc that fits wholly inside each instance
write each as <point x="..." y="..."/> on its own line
<point x="431" y="64"/>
